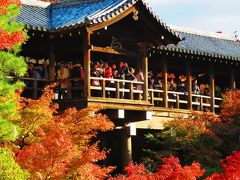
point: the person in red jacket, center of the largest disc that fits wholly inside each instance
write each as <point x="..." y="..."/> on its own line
<point x="108" y="71"/>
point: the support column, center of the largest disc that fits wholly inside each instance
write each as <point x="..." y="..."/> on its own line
<point x="165" y="84"/>
<point x="212" y="89"/>
<point x="189" y="86"/>
<point x="145" y="73"/>
<point x="232" y="78"/>
<point x="126" y="148"/>
<point x="52" y="58"/>
<point x="87" y="61"/>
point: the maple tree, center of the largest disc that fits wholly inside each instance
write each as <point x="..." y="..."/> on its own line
<point x="170" y="169"/>
<point x="231" y="106"/>
<point x="12" y="36"/>
<point x="9" y="169"/>
<point x="230" y="128"/>
<point x="230" y="166"/>
<point x="187" y="139"/>
<point x="59" y="146"/>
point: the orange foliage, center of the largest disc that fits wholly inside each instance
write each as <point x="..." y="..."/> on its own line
<point x="172" y="169"/>
<point x="231" y="169"/>
<point x="59" y="146"/>
<point x="169" y="170"/>
<point x="51" y="1"/>
<point x="231" y="106"/>
<point x="194" y="125"/>
<point x="6" y="3"/>
<point x="51" y="156"/>
<point x="9" y="40"/>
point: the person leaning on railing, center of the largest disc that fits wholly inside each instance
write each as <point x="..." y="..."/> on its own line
<point x="62" y="77"/>
<point x="195" y="90"/>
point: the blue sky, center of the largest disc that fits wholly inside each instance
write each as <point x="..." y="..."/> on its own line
<point x="206" y="15"/>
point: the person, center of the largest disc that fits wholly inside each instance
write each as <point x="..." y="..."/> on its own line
<point x="107" y="71"/>
<point x="157" y="84"/>
<point x="129" y="75"/>
<point x="140" y="78"/>
<point x="101" y="68"/>
<point x="206" y="100"/>
<point x="121" y="75"/>
<point x="38" y="72"/>
<point x="172" y="87"/>
<point x="69" y="66"/>
<point x="30" y="71"/>
<point x="95" y="73"/>
<point x="182" y="89"/>
<point x="95" y="82"/>
<point x="45" y="71"/>
<point x="150" y="80"/>
<point x="108" y="75"/>
<point x="76" y="81"/>
<point x="195" y="90"/>
<point x="114" y="70"/>
<point x="121" y="71"/>
<point x="62" y="76"/>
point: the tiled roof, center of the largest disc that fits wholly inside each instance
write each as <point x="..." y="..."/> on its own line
<point x="35" y="14"/>
<point x="204" y="45"/>
<point x="53" y="16"/>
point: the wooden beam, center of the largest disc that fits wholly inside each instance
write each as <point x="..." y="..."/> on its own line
<point x="107" y="50"/>
<point x="232" y="78"/>
<point x="126" y="142"/>
<point x="189" y="85"/>
<point x="117" y="18"/>
<point x="145" y="73"/>
<point x="212" y="89"/>
<point x="165" y="84"/>
<point x="52" y="59"/>
<point x="87" y="66"/>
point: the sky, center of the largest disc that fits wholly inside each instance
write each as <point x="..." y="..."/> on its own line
<point x="205" y="15"/>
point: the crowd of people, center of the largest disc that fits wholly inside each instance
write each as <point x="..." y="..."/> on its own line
<point x="122" y="71"/>
<point x="102" y="69"/>
<point x="65" y="72"/>
<point x="40" y="71"/>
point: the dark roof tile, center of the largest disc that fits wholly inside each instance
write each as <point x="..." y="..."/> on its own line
<point x="207" y="46"/>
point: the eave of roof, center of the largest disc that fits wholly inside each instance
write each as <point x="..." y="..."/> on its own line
<point x="206" y="45"/>
<point x="77" y="13"/>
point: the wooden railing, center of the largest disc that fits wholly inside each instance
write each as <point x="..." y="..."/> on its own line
<point x="178" y="100"/>
<point x="34" y="87"/>
<point x="116" y="88"/>
<point x="122" y="89"/>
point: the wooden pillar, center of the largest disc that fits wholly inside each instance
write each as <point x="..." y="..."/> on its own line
<point x="126" y="148"/>
<point x="52" y="58"/>
<point x="87" y="61"/>
<point x="189" y="86"/>
<point x="212" y="89"/>
<point x="145" y="73"/>
<point x="165" y="84"/>
<point x="35" y="89"/>
<point x="232" y="78"/>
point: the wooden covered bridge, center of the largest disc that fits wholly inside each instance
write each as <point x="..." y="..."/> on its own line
<point x="87" y="31"/>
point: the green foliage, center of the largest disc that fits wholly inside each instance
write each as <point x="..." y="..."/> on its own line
<point x="8" y="131"/>
<point x="10" y="64"/>
<point x="190" y="139"/>
<point x="12" y="36"/>
<point x="9" y="169"/>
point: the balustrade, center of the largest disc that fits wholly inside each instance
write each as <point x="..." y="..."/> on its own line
<point x="122" y="89"/>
